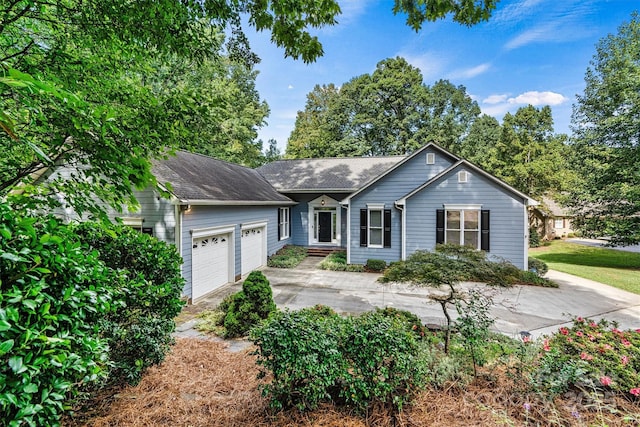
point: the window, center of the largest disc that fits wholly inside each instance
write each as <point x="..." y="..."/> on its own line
<point x="136" y="224"/>
<point x="431" y="158"/>
<point x="284" y="223"/>
<point x="463" y="225"/>
<point x="463" y="228"/>
<point x="375" y="227"/>
<point x="558" y="223"/>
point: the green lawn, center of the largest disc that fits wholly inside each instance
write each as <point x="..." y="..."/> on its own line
<point x="616" y="268"/>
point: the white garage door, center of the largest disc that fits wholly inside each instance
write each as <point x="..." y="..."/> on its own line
<point x="210" y="263"/>
<point x="252" y="248"/>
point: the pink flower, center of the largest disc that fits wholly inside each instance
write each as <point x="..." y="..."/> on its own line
<point x="605" y="381"/>
<point x="585" y="356"/>
<point x="624" y="360"/>
<point x="569" y="339"/>
<point x="526" y="339"/>
<point x="604" y="348"/>
<point x="579" y="319"/>
<point x="591" y="338"/>
<point x="635" y="391"/>
<point x="626" y="343"/>
<point x="579" y="334"/>
<point x="564" y="331"/>
<point x="593" y="324"/>
<point x="638" y="331"/>
<point x="546" y="346"/>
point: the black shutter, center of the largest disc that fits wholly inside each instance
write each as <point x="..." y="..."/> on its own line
<point x="363" y="227"/>
<point x="279" y="219"/>
<point x="440" y="226"/>
<point x="484" y="230"/>
<point x="387" y="228"/>
<point x="289" y="217"/>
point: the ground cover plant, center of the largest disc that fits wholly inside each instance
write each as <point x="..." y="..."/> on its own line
<point x="287" y="257"/>
<point x="337" y="261"/>
<point x="612" y="267"/>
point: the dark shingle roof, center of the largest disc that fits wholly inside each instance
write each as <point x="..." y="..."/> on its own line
<point x="337" y="173"/>
<point x="194" y="177"/>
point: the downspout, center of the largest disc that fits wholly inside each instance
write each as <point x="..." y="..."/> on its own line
<point x="399" y="204"/>
<point x="348" y="206"/>
<point x="178" y="233"/>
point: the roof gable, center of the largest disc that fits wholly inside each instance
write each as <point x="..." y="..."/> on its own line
<point x="195" y="178"/>
<point x="526" y="199"/>
<point x="399" y="164"/>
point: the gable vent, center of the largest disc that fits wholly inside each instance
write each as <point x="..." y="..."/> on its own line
<point x="463" y="176"/>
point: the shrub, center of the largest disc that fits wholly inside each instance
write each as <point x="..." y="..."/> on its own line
<point x="139" y="331"/>
<point x="376" y="264"/>
<point x="537" y="266"/>
<point x="534" y="238"/>
<point x="287" y="257"/>
<point x="249" y="306"/>
<point x="336" y="261"/>
<point x="592" y="356"/>
<point x="316" y="356"/>
<point x="52" y="291"/>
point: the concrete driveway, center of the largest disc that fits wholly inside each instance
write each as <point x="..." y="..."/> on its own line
<point x="521" y="308"/>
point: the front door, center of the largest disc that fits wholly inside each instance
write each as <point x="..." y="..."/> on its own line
<point x="325" y="232"/>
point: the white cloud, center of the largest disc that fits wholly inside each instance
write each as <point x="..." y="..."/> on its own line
<point x="470" y="72"/>
<point x="539" y="98"/>
<point x="430" y="65"/>
<point x="495" y="99"/>
<point x="351" y="10"/>
<point x="290" y="87"/>
<point x="515" y="12"/>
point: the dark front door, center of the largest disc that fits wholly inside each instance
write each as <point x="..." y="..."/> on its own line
<point x="324" y="226"/>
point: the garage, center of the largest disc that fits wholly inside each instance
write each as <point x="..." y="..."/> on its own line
<point x="253" y="246"/>
<point x="211" y="263"/>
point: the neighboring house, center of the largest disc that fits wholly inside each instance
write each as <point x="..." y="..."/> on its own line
<point x="226" y="219"/>
<point x="551" y="220"/>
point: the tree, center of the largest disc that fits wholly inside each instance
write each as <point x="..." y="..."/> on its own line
<point x="605" y="121"/>
<point x="388" y="112"/>
<point x="272" y="153"/>
<point x="530" y="156"/>
<point x="451" y="113"/>
<point x="480" y="145"/>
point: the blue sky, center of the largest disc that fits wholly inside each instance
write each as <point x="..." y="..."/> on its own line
<point x="530" y="52"/>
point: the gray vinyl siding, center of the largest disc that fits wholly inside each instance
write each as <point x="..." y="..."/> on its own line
<point x="156" y="212"/>
<point x="217" y="216"/>
<point x="387" y="190"/>
<point x="507" y="214"/>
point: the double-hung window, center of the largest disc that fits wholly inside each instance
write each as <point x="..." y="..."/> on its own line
<point x="284" y="222"/>
<point x="375" y="226"/>
<point x="462" y="227"/>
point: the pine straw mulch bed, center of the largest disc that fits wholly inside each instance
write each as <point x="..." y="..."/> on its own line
<point x="202" y="383"/>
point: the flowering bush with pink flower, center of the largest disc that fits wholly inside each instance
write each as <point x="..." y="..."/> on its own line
<point x="593" y="355"/>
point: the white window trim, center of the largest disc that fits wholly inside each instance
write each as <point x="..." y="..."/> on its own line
<point x="254" y="224"/>
<point x="461" y="230"/>
<point x="134" y="222"/>
<point x="555" y="223"/>
<point x="431" y="158"/>
<point x="283" y="225"/>
<point x="374" y="207"/>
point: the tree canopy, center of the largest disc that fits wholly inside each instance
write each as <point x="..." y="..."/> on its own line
<point x="606" y="143"/>
<point x="388" y="112"/>
<point x="102" y="85"/>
